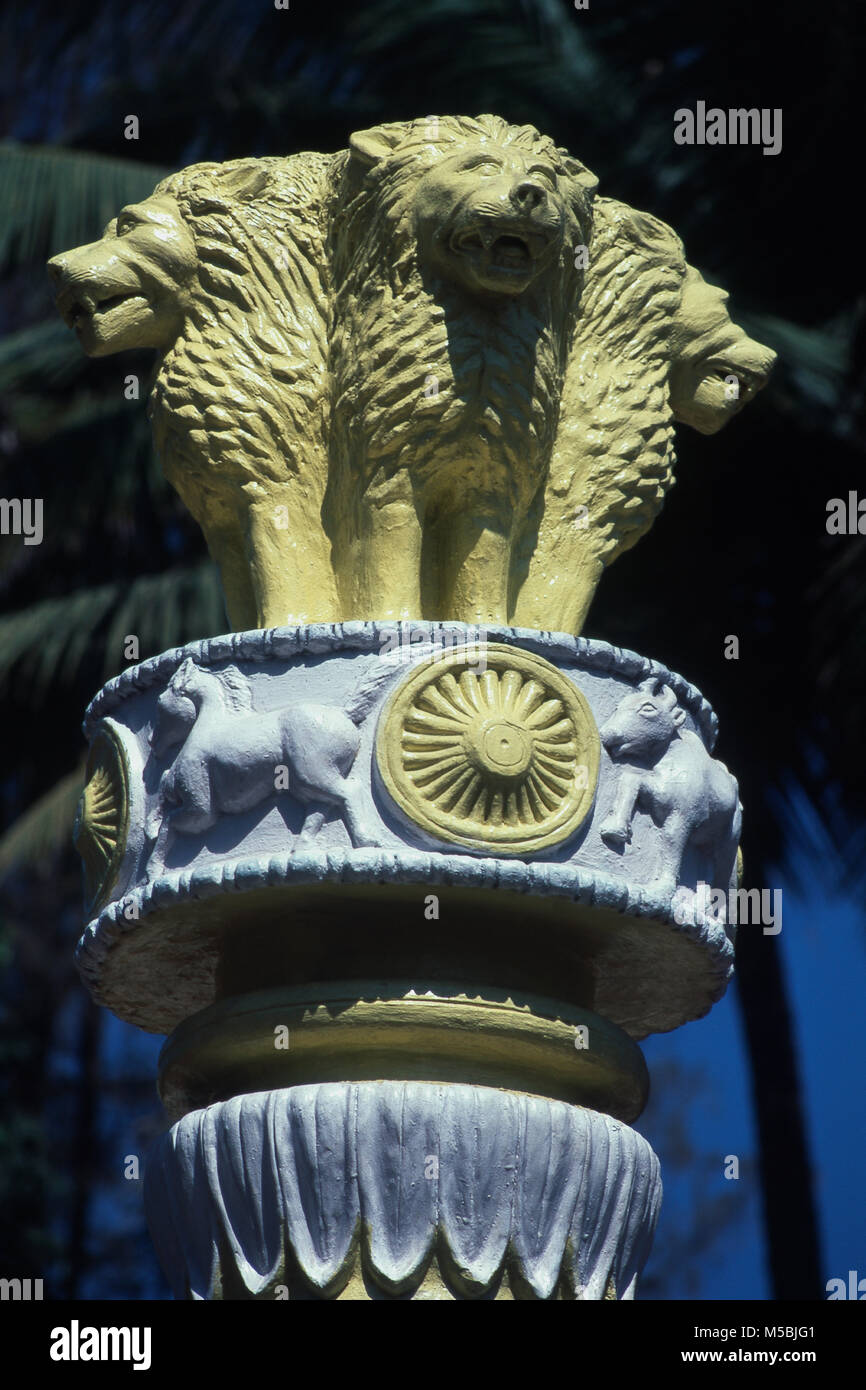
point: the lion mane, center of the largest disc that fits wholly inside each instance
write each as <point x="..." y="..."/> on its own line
<point x="277" y="389"/>
<point x="420" y="378"/>
<point x="613" y="459"/>
<point x="645" y="316"/>
<point x="239" y="403"/>
<point x="402" y="390"/>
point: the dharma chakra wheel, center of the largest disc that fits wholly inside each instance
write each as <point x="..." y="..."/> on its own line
<point x="503" y="758"/>
<point x="102" y="821"/>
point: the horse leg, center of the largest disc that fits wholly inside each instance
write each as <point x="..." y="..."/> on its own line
<point x="156" y="859"/>
<point x="313" y="822"/>
<point x="358" y="815"/>
<point x="355" y="804"/>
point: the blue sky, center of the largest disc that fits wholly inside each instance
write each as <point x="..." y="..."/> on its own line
<point x="823" y="945"/>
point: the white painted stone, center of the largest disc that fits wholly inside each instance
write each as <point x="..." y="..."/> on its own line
<point x="553" y="1187"/>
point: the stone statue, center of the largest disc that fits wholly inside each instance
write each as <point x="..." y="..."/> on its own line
<point x="404" y="866"/>
<point x="433" y="376"/>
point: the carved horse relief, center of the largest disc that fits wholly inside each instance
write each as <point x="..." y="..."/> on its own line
<point x="667" y="772"/>
<point x="230" y="757"/>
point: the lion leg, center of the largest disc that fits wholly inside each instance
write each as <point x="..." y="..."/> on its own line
<point x="289" y="562"/>
<point x="475" y="563"/>
<point x="386" y="579"/>
<point x="225" y="541"/>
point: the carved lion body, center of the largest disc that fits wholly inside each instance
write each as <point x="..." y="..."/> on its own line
<point x="432" y="376"/>
<point x="454" y="274"/>
<point x="221" y="271"/>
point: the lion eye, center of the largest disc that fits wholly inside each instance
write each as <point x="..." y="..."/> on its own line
<point x="538" y="171"/>
<point x="648" y="711"/>
<point x="125" y="223"/>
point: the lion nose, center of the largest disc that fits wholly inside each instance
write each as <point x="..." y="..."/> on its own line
<point x="528" y="195"/>
<point x="56" y="267"/>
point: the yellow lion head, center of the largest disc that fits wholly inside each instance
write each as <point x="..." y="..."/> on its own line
<point x="492" y="207"/>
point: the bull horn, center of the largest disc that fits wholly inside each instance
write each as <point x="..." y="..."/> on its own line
<point x="653" y="684"/>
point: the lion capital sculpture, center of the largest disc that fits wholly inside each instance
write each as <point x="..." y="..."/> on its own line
<point x="431" y="376"/>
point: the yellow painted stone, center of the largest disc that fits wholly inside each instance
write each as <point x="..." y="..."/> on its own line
<point x="503" y="759"/>
<point x="102" y="821"/>
<point x="371" y="1030"/>
<point x="430" y="376"/>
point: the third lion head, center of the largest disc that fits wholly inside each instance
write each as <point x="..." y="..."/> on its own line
<point x="494" y="206"/>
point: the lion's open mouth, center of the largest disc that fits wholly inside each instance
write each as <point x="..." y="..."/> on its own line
<point x="510" y="252"/>
<point x="76" y="307"/>
<point x="106" y="305"/>
<point x="493" y="248"/>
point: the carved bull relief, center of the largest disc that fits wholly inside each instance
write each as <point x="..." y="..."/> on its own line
<point x="666" y="771"/>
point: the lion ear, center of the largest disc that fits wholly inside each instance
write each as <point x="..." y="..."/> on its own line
<point x="369" y="146"/>
<point x="579" y="172"/>
<point x="222" y="185"/>
<point x="246" y="181"/>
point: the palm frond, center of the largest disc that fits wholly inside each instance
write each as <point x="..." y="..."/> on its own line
<point x="45" y="644"/>
<point x="537" y="47"/>
<point x="43" y="352"/>
<point x="823" y="352"/>
<point x="45" y="828"/>
<point x="37" y="418"/>
<point x="165" y="610"/>
<point x="56" y="198"/>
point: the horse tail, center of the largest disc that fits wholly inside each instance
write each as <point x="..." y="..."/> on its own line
<point x="366" y="692"/>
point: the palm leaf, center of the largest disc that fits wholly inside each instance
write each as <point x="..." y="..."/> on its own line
<point x="44" y="830"/>
<point x="56" y="198"/>
<point x="823" y="352"/>
<point x="165" y="610"/>
<point x="45" y="644"/>
<point x="515" y="48"/>
<point x="43" y="352"/>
